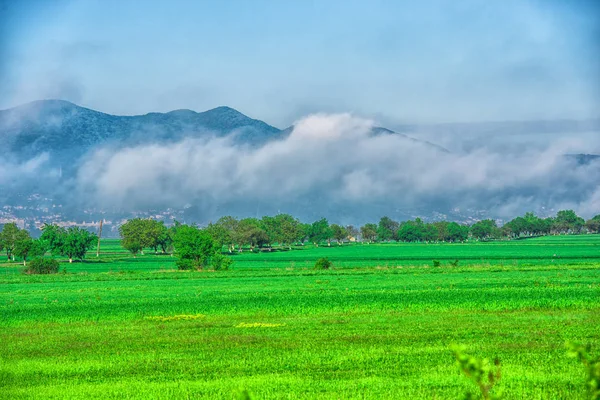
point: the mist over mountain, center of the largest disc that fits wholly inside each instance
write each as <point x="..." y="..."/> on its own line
<point x="341" y="166"/>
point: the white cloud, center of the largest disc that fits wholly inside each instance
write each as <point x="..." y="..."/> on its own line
<point x="337" y="159"/>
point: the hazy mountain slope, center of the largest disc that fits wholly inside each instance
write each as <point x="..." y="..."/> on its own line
<point x="65" y="131"/>
<point x="59" y="127"/>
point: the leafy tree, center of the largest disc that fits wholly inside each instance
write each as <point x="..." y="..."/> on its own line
<point x="442" y="231"/>
<point x="164" y="239"/>
<point x="9" y="237"/>
<point x="194" y="247"/>
<point x="320" y="231"/>
<point x="26" y="247"/>
<point x="76" y="243"/>
<point x="546" y="225"/>
<point x="411" y="231"/>
<point x="369" y="232"/>
<point x="386" y="230"/>
<point x="230" y="224"/>
<point x="339" y="233"/>
<point x="457" y="232"/>
<point x="138" y="234"/>
<point x="220" y="235"/>
<point x="568" y="221"/>
<point x="305" y="230"/>
<point x="52" y="236"/>
<point x="430" y="233"/>
<point x="289" y="230"/>
<point x="250" y="233"/>
<point x="131" y="236"/>
<point x="156" y="235"/>
<point x="72" y="243"/>
<point x="484" y="229"/>
<point x="271" y="228"/>
<point x="593" y="225"/>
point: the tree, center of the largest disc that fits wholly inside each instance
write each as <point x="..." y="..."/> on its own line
<point x="368" y="232"/>
<point x="568" y="221"/>
<point x="386" y="230"/>
<point x="131" y="236"/>
<point x="457" y="232"/>
<point x="220" y="235"/>
<point x="52" y="236"/>
<point x="593" y="225"/>
<point x="155" y="235"/>
<point x="271" y="228"/>
<point x="411" y="231"/>
<point x="249" y="233"/>
<point x="430" y="233"/>
<point x="339" y="233"/>
<point x="289" y="229"/>
<point x="137" y="234"/>
<point x="73" y="242"/>
<point x="164" y="239"/>
<point x="26" y="247"/>
<point x="442" y="231"/>
<point x="305" y="230"/>
<point x="320" y="231"/>
<point x="230" y="224"/>
<point x="8" y="238"/>
<point x="194" y="247"/>
<point x="76" y="243"/>
<point x="484" y="229"/>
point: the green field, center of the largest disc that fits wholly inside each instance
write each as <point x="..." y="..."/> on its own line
<point x="379" y="325"/>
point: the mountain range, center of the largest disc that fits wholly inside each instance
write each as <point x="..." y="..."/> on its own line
<point x="65" y="131"/>
<point x="62" y="134"/>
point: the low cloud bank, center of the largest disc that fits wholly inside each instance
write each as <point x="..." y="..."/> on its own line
<point x="336" y="161"/>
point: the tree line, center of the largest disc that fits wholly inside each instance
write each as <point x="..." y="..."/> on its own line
<point x="72" y="242"/>
<point x="284" y="231"/>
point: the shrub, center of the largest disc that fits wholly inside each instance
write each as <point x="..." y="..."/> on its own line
<point x="42" y="266"/>
<point x="454" y="263"/>
<point x="480" y="372"/>
<point x="185" y="264"/>
<point x="323" y="263"/>
<point x="436" y="263"/>
<point x="220" y="262"/>
<point x="592" y="365"/>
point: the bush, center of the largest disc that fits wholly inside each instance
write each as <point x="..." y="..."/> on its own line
<point x="436" y="263"/>
<point x="42" y="266"/>
<point x="323" y="263"/>
<point x="454" y="263"/>
<point x="220" y="262"/>
<point x="185" y="264"/>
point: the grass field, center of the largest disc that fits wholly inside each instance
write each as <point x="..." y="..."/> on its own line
<point x="379" y="325"/>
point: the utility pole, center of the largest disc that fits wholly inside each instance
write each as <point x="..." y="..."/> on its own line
<point x="99" y="237"/>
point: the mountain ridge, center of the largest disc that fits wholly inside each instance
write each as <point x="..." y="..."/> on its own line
<point x="61" y="127"/>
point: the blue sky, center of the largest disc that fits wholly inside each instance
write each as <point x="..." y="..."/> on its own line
<point x="394" y="61"/>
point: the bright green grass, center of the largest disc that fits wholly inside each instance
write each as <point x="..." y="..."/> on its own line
<point x="375" y="327"/>
<point x="544" y="251"/>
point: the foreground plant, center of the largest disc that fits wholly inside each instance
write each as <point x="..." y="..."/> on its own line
<point x="591" y="364"/>
<point x="481" y="372"/>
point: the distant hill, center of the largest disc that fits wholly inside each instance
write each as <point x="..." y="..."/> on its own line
<point x="66" y="131"/>
<point x="60" y="127"/>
